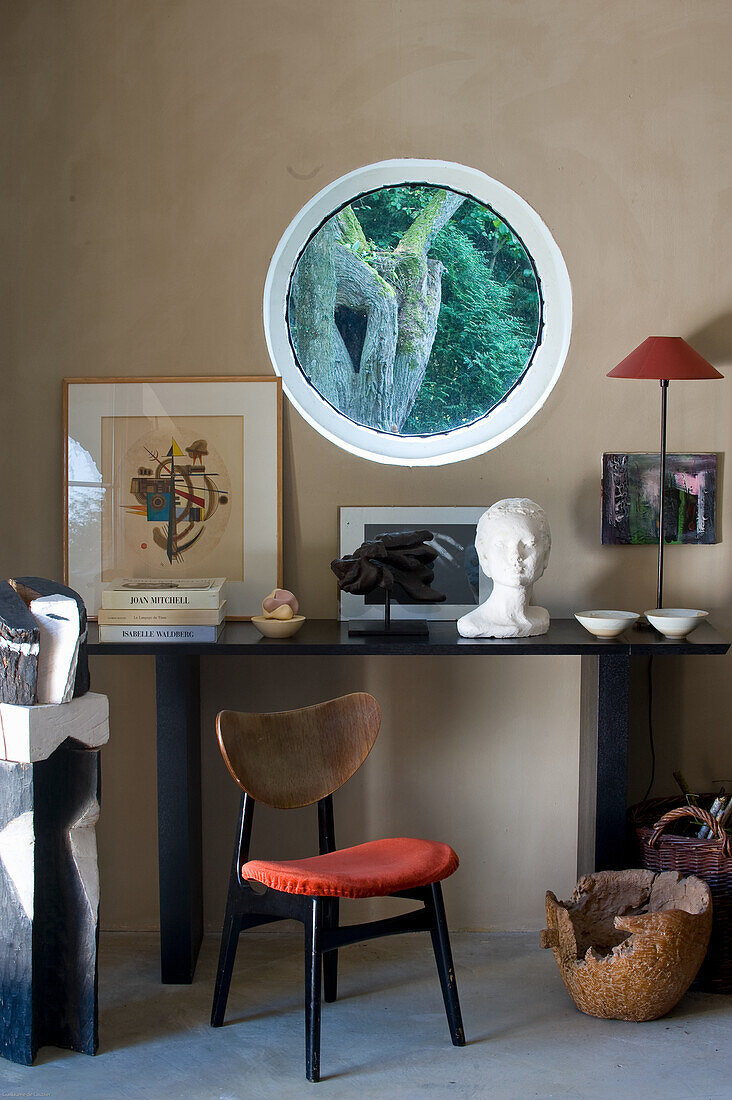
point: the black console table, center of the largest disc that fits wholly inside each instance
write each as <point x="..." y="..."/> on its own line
<point x="605" y="687"/>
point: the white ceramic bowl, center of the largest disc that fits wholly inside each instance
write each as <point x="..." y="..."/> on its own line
<point x="278" y="628"/>
<point x="675" y="622"/>
<point x="606" y="624"/>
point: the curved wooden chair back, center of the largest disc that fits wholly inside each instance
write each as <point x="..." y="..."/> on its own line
<point x="293" y="758"/>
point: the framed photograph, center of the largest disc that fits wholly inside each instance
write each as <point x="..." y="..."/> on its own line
<point x="173" y="478"/>
<point x="630" y="499"/>
<point x="457" y="572"/>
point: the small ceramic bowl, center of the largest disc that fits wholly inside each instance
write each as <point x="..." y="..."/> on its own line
<point x="278" y="628"/>
<point x="606" y="624"/>
<point x="675" y="622"/>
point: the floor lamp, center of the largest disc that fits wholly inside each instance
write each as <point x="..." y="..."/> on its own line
<point x="666" y="359"/>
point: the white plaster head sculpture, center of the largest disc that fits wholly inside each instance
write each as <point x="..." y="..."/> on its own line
<point x="513" y="541"/>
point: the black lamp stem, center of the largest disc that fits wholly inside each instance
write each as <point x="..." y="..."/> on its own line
<point x="661" y="488"/>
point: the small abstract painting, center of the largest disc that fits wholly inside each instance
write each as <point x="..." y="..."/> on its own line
<point x="630" y="499"/>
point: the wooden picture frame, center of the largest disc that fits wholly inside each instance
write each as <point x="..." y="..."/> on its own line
<point x="116" y="434"/>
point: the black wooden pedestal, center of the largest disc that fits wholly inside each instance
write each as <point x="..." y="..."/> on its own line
<point x="48" y="904"/>
<point x="604" y="698"/>
<point x="177" y="687"/>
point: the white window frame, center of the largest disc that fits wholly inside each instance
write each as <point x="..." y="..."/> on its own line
<point x="519" y="405"/>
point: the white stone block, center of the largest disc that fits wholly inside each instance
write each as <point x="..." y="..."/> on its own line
<point x="58" y="621"/>
<point x="28" y="734"/>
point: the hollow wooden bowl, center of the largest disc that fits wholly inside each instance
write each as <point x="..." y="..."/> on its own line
<point x="628" y="944"/>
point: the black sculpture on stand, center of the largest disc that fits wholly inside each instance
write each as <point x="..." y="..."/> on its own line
<point x="400" y="559"/>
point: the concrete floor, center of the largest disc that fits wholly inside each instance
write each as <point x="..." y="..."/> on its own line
<point x="386" y="1037"/>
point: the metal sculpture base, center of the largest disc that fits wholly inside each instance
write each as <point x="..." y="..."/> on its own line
<point x="385" y="628"/>
<point x="376" y="627"/>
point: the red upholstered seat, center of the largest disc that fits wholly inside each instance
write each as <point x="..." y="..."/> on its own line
<point x="370" y="870"/>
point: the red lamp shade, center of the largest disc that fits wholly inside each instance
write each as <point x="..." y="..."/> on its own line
<point x="664" y="357"/>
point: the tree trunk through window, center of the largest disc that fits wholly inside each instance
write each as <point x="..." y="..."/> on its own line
<point x="364" y="320"/>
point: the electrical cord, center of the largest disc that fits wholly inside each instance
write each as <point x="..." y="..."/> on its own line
<point x="650" y="727"/>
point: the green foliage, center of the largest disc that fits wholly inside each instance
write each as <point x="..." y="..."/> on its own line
<point x="490" y="310"/>
<point x="387" y="214"/>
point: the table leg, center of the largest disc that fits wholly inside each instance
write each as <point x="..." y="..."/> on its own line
<point x="603" y="763"/>
<point x="177" y="690"/>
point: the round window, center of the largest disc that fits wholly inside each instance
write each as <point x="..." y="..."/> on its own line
<point x="418" y="312"/>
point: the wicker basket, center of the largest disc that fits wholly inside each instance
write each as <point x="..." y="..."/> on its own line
<point x="709" y="859"/>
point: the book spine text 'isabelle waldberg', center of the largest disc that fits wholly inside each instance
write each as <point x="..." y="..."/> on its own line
<point x="158" y="634"/>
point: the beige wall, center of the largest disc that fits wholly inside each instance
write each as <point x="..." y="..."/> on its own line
<point x="156" y="152"/>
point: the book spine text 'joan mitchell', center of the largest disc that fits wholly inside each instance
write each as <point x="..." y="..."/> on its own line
<point x="171" y="599"/>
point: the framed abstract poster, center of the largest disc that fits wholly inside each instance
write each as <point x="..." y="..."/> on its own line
<point x="173" y="478"/>
<point x="630" y="499"/>
<point x="457" y="572"/>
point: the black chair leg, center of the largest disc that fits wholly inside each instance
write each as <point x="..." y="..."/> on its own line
<point x="313" y="976"/>
<point x="227" y="954"/>
<point x="330" y="958"/>
<point x="445" y="967"/>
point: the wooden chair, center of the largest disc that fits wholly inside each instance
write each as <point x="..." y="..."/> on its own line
<point x="296" y="758"/>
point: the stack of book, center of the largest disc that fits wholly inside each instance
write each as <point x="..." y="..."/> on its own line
<point x="186" y="610"/>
